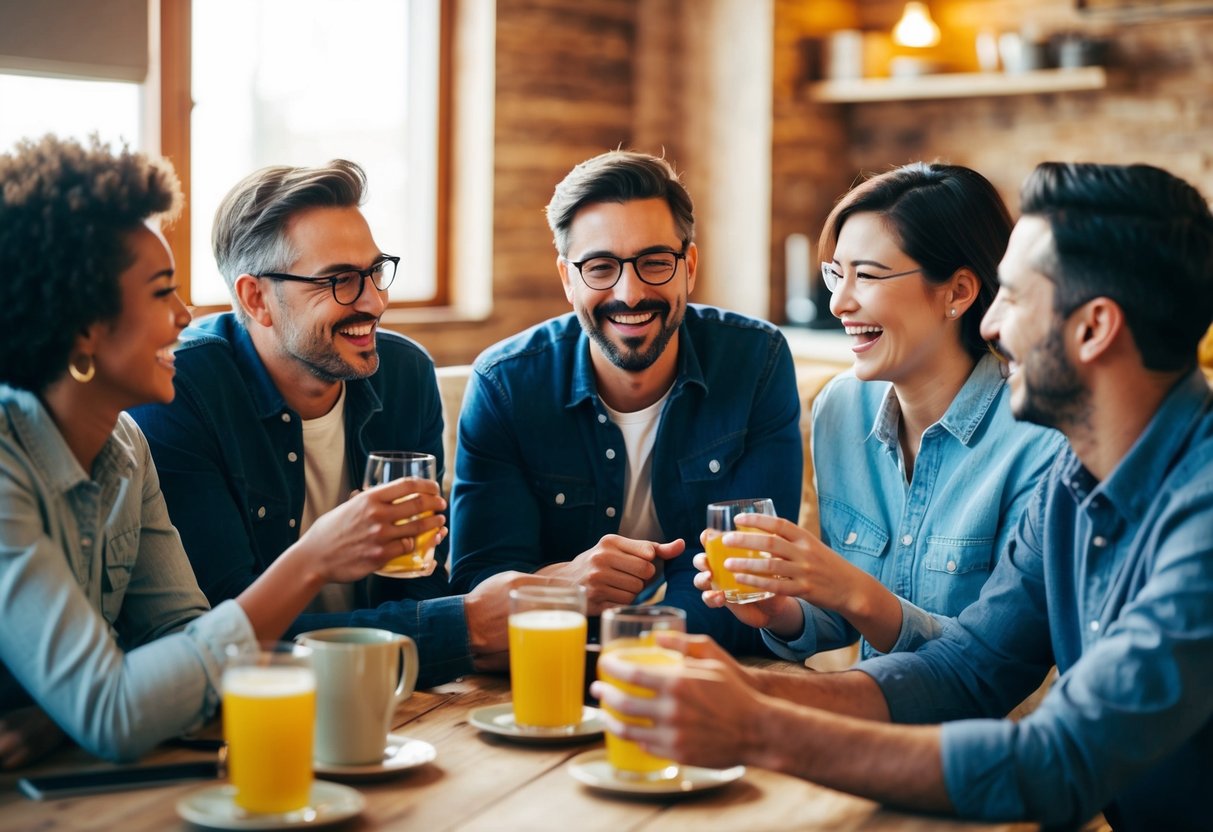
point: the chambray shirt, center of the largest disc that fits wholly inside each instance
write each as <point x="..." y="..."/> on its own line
<point x="101" y="620"/>
<point x="230" y="456"/>
<point x="540" y="472"/>
<point x="1113" y="582"/>
<point x="932" y="540"/>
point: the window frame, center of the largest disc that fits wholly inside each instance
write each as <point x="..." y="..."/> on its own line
<point x="176" y="107"/>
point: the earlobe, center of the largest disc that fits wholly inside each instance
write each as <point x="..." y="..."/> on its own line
<point x="562" y="268"/>
<point x="1099" y="325"/>
<point x="252" y="300"/>
<point x="692" y="266"/>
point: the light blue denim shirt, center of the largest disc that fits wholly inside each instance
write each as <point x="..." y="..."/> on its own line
<point x="103" y="623"/>
<point x="1111" y="581"/>
<point x="933" y="539"/>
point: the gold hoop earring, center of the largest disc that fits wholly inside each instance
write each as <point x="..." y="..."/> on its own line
<point x="84" y="377"/>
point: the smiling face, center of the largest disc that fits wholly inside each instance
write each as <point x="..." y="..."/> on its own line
<point x="133" y="352"/>
<point x="633" y="324"/>
<point x="331" y="341"/>
<point x="1046" y="388"/>
<point x="896" y="325"/>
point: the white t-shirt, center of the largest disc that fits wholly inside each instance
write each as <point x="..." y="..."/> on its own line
<point x="326" y="487"/>
<point x="639" y="431"/>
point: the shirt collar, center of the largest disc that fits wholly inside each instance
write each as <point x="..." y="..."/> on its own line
<point x="963" y="416"/>
<point x="585" y="387"/>
<point x="48" y="450"/>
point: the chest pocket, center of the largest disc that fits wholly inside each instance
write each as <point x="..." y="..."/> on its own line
<point x="121" y="552"/>
<point x="853" y="535"/>
<point x="567" y="508"/>
<point x="268" y="518"/>
<point x="713" y="463"/>
<point x="954" y="570"/>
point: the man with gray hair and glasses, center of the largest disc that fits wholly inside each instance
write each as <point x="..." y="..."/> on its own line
<point x="280" y="401"/>
<point x="591" y="444"/>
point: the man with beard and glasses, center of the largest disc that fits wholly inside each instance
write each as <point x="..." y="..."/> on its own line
<point x="591" y="444"/>
<point x="1105" y="290"/>
<point x="279" y="403"/>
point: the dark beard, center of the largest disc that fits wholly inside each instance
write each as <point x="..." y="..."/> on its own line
<point x="631" y="358"/>
<point x="1054" y="395"/>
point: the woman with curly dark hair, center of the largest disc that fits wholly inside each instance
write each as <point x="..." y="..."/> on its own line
<point x="105" y="632"/>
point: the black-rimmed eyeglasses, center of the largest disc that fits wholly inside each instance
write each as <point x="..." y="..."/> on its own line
<point x="833" y="277"/>
<point x="347" y="286"/>
<point x="654" y="268"/>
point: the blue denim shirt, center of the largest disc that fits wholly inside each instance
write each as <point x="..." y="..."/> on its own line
<point x="230" y="456"/>
<point x="933" y="540"/>
<point x="1113" y="582"/>
<point x="103" y="624"/>
<point x="540" y="470"/>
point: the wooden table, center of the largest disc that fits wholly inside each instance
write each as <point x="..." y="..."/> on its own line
<point x="483" y="782"/>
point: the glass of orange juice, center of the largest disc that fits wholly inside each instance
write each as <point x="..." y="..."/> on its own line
<point x="269" y="714"/>
<point x="628" y="634"/>
<point x="385" y="466"/>
<point x="720" y="520"/>
<point x="547" y="655"/>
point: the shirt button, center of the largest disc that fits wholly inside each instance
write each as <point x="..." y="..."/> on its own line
<point x="610" y="454"/>
<point x="86" y="542"/>
<point x="1095" y="626"/>
<point x="286" y="417"/>
<point x="951" y="567"/>
<point x="906" y="539"/>
<point x="602" y="418"/>
<point x="560" y="499"/>
<point x="291" y="522"/>
<point x="261" y="511"/>
<point x="714" y="466"/>
<point x="851" y="538"/>
<point x="610" y="512"/>
<point x="1099" y="540"/>
<point x="292" y="456"/>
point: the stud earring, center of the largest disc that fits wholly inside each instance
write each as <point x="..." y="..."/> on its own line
<point x="83" y="376"/>
<point x="952" y="312"/>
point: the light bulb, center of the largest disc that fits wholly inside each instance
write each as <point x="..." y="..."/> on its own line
<point x="916" y="28"/>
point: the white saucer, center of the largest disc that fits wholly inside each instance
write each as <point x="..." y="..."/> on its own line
<point x="592" y="768"/>
<point x="401" y="754"/>
<point x="499" y="719"/>
<point x="214" y="808"/>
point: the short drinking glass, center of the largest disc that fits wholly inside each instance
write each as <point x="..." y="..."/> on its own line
<point x="720" y="520"/>
<point x="385" y="466"/>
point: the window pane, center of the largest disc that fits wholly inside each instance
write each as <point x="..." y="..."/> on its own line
<point x="300" y="82"/>
<point x="31" y="106"/>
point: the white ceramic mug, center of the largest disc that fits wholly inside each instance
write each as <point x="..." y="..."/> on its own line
<point x="362" y="674"/>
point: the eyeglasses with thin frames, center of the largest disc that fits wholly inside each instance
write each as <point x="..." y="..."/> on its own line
<point x="833" y="277"/>
<point x="347" y="286"/>
<point x="654" y="268"/>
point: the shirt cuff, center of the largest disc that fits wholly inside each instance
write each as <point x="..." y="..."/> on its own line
<point x="443" y="645"/>
<point x="802" y="646"/>
<point x="979" y="769"/>
<point x="917" y="628"/>
<point x="227" y="624"/>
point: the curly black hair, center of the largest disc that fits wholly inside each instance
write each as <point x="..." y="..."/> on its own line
<point x="65" y="208"/>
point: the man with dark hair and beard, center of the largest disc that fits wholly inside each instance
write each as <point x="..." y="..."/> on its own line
<point x="591" y="444"/>
<point x="1105" y="291"/>
<point x="279" y="402"/>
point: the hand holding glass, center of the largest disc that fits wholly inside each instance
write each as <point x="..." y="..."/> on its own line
<point x="628" y="634"/>
<point x="385" y="466"/>
<point x="720" y="520"/>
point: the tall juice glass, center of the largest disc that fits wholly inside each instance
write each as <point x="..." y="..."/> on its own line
<point x="269" y="714"/>
<point x="628" y="635"/>
<point x="547" y="655"/>
<point x="385" y="466"/>
<point x="720" y="520"/>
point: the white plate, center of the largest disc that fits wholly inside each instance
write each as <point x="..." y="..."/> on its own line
<point x="401" y="754"/>
<point x="213" y="807"/>
<point x="499" y="719"/>
<point x="593" y="769"/>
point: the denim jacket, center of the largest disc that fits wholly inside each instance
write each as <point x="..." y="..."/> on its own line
<point x="1113" y="582"/>
<point x="102" y="622"/>
<point x="540" y="469"/>
<point x="932" y="540"/>
<point x="230" y="456"/>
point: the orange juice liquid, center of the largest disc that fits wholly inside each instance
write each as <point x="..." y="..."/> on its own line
<point x="629" y="759"/>
<point x="547" y="667"/>
<point x="723" y="579"/>
<point x="419" y="559"/>
<point x="269" y="715"/>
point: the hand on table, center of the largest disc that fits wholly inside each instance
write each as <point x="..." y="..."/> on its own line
<point x="615" y="570"/>
<point x="26" y="735"/>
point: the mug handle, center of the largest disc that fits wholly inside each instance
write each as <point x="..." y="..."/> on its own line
<point x="409" y="668"/>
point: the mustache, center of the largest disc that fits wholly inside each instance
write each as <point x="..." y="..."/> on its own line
<point x="618" y="307"/>
<point x="353" y="320"/>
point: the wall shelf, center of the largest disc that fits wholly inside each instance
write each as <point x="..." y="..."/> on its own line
<point x="959" y="85"/>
